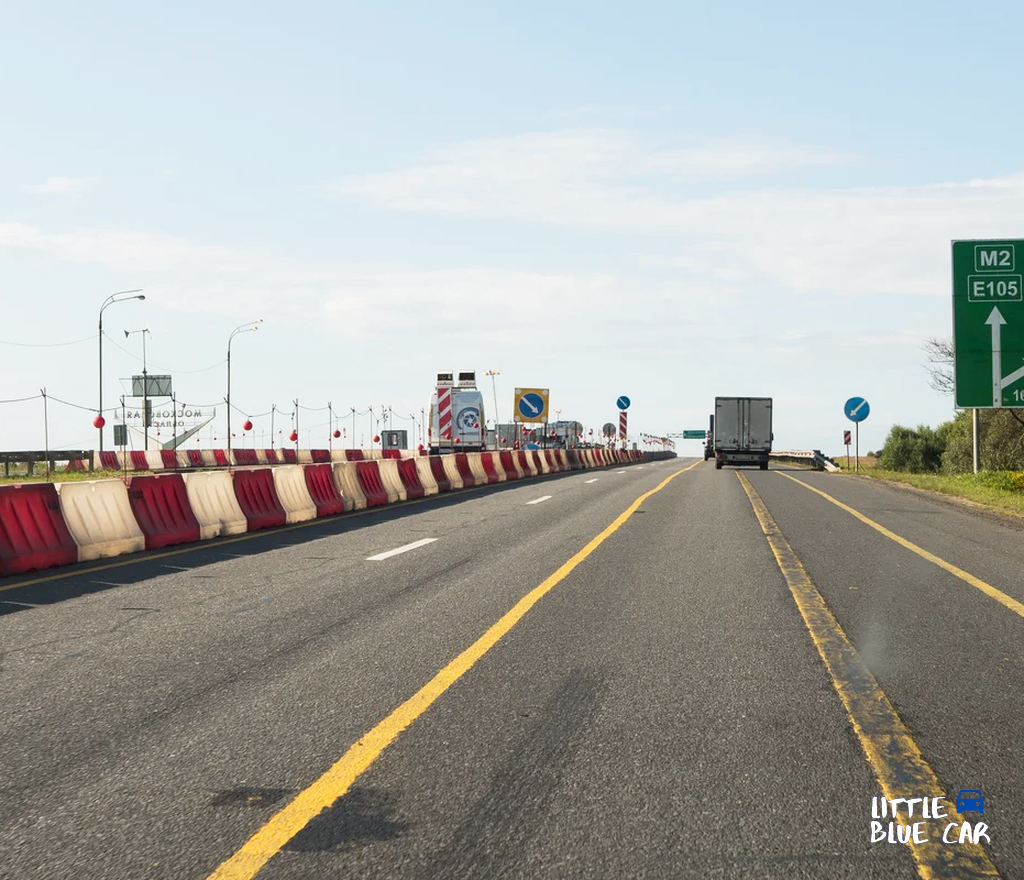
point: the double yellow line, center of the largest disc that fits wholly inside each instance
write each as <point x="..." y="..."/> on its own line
<point x="889" y="746"/>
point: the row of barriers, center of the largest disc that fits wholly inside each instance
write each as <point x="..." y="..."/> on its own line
<point x="190" y="459"/>
<point x="43" y="525"/>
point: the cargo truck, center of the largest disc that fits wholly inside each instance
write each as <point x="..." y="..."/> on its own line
<point x="743" y="431"/>
<point x="457" y="426"/>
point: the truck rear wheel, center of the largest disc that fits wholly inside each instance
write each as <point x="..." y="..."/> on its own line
<point x="718" y="465"/>
<point x="764" y="465"/>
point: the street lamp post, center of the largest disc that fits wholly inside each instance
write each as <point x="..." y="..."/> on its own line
<point x="145" y="384"/>
<point x="241" y="328"/>
<point x="492" y="374"/>
<point x="120" y="296"/>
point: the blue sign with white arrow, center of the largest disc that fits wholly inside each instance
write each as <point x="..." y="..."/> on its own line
<point x="622" y="402"/>
<point x="531" y="405"/>
<point x="856" y="409"/>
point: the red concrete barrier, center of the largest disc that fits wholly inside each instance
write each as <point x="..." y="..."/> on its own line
<point x="508" y="465"/>
<point x="354" y="454"/>
<point x="169" y="458"/>
<point x="323" y="490"/>
<point x="220" y="457"/>
<point x="245" y="457"/>
<point x="139" y="462"/>
<point x="258" y="498"/>
<point x="553" y="464"/>
<point x="271" y="455"/>
<point x="465" y="471"/>
<point x="370" y="482"/>
<point x="320" y="456"/>
<point x="392" y="453"/>
<point x="195" y="458"/>
<point x="537" y="461"/>
<point x="33" y="533"/>
<point x="574" y="459"/>
<point x="410" y="477"/>
<point x="289" y="456"/>
<point x="162" y="510"/>
<point x="437" y="469"/>
<point x="487" y="460"/>
<point x="109" y="462"/>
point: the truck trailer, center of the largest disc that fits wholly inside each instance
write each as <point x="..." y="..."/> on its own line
<point x="457" y="423"/>
<point x="743" y="431"/>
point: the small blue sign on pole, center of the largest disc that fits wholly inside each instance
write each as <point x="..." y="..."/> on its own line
<point x="856" y="409"/>
<point x="623" y="402"/>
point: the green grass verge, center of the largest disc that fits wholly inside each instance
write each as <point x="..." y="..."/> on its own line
<point x="1001" y="491"/>
<point x="62" y="476"/>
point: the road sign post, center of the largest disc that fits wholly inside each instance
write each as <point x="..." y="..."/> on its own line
<point x="856" y="409"/>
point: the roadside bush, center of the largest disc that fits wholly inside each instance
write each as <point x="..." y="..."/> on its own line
<point x="915" y="451"/>
<point x="1001" y="441"/>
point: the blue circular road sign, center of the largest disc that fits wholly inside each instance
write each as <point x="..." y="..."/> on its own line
<point x="622" y="402"/>
<point x="531" y="405"/>
<point x="856" y="409"/>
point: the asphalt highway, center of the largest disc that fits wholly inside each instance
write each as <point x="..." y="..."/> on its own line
<point x="657" y="671"/>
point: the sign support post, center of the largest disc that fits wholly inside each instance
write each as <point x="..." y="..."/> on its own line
<point x="976" y="443"/>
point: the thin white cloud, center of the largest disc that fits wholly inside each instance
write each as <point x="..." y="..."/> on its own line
<point x="813" y="242"/>
<point x="62" y="186"/>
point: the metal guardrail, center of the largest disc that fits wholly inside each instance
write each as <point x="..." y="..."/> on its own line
<point x="815" y="458"/>
<point x="31" y="459"/>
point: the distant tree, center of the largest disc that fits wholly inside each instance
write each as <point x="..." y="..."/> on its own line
<point x="940" y="363"/>
<point x="915" y="451"/>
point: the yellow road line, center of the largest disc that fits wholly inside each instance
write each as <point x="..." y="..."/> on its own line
<point x="136" y="559"/>
<point x="282" y="827"/>
<point x="965" y="576"/>
<point x="894" y="757"/>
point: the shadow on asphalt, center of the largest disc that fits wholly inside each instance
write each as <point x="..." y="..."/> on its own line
<point x="20" y="593"/>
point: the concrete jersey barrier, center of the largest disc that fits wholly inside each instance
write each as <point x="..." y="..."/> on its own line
<point x="391" y="480"/>
<point x="323" y="490"/>
<point x="162" y="510"/>
<point x="451" y="469"/>
<point x="33" y="533"/>
<point x="426" y="475"/>
<point x="100" y="518"/>
<point x="290" y="485"/>
<point x="347" y="481"/>
<point x="211" y="494"/>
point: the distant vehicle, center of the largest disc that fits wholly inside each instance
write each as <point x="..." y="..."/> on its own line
<point x="464" y="429"/>
<point x="970" y="800"/>
<point x="709" y="438"/>
<point x="743" y="431"/>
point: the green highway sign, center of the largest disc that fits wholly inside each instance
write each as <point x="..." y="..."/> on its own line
<point x="694" y="435"/>
<point x="988" y="323"/>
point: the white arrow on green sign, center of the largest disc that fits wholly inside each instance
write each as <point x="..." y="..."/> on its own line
<point x="988" y="323"/>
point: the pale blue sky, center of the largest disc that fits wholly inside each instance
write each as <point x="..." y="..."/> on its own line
<point x="668" y="201"/>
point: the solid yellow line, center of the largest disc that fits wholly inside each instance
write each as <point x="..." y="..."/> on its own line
<point x="965" y="576"/>
<point x="892" y="753"/>
<point x="135" y="559"/>
<point x="282" y="827"/>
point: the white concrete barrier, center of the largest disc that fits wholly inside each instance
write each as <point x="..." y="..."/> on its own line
<point x="211" y="494"/>
<point x="452" y="471"/>
<point x="348" y="485"/>
<point x="338" y="455"/>
<point x="426" y="475"/>
<point x="476" y="467"/>
<point x="100" y="518"/>
<point x="290" y="484"/>
<point x="392" y="480"/>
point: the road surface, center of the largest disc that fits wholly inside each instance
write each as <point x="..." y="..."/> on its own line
<point x="651" y="671"/>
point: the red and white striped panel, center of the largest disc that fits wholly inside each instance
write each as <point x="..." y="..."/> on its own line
<point x="444" y="412"/>
<point x="622" y="425"/>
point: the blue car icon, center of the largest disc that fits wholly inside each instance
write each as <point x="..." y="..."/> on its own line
<point x="970" y="800"/>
